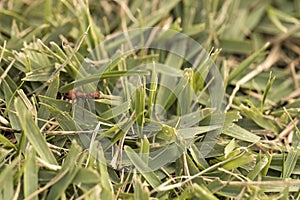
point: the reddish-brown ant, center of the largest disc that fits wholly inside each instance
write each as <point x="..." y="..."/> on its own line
<point x="75" y="94"/>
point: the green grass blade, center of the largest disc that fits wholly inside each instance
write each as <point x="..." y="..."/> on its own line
<point x="86" y="176"/>
<point x="153" y="89"/>
<point x="247" y="62"/>
<point x="51" y="92"/>
<point x="98" y="77"/>
<point x="261" y="120"/>
<point x="268" y="87"/>
<point x="5" y="142"/>
<point x="229" y="147"/>
<point x="66" y="122"/>
<point x="202" y="192"/>
<point x="70" y="164"/>
<point x="107" y="187"/>
<point x="150" y="20"/>
<point x="140" y="191"/>
<point x="259" y="168"/>
<point x="290" y="162"/>
<point x="144" y="150"/>
<point x="115" y="111"/>
<point x="142" y="167"/>
<point x="33" y="133"/>
<point x="241" y="160"/>
<point x="240" y="133"/>
<point x="6" y="180"/>
<point x="30" y="174"/>
<point x="139" y="106"/>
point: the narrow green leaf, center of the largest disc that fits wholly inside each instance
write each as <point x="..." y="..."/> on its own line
<point x="266" y="168"/>
<point x="140" y="107"/>
<point x="100" y="76"/>
<point x="141" y="166"/>
<point x="165" y="155"/>
<point x="66" y="122"/>
<point x="235" y="46"/>
<point x="140" y="192"/>
<point x="167" y="134"/>
<point x="153" y="89"/>
<point x="86" y="176"/>
<point x="247" y="62"/>
<point x="144" y="150"/>
<point x="51" y="92"/>
<point x="275" y="16"/>
<point x="190" y="133"/>
<point x="269" y="85"/>
<point x="61" y="105"/>
<point x="229" y="147"/>
<point x="120" y="133"/>
<point x="10" y="90"/>
<point x="33" y="133"/>
<point x="6" y="142"/>
<point x="240" y="133"/>
<point x="290" y="162"/>
<point x="107" y="187"/>
<point x="239" y="161"/>
<point x="198" y="157"/>
<point x="115" y="111"/>
<point x="192" y="167"/>
<point x="202" y="192"/>
<point x="70" y="164"/>
<point x="195" y="29"/>
<point x="150" y="20"/>
<point x="259" y="168"/>
<point x="278" y="161"/>
<point x="30" y="173"/>
<point x="261" y="120"/>
<point x="7" y="180"/>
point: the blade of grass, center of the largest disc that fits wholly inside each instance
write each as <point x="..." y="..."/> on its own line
<point x="238" y="162"/>
<point x="268" y="87"/>
<point x="141" y="192"/>
<point x="33" y="133"/>
<point x="203" y="193"/>
<point x="144" y="150"/>
<point x="290" y="162"/>
<point x="247" y="62"/>
<point x="53" y="75"/>
<point x="150" y="20"/>
<point x="51" y="92"/>
<point x="107" y="187"/>
<point x="240" y="133"/>
<point x="65" y="121"/>
<point x="98" y="77"/>
<point x="30" y="174"/>
<point x="141" y="166"/>
<point x="5" y="142"/>
<point x="69" y="165"/>
<point x="139" y="106"/>
<point x="260" y="119"/>
<point x="259" y="168"/>
<point x="86" y="176"/>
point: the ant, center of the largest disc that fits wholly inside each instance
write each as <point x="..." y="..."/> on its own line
<point x="75" y="94"/>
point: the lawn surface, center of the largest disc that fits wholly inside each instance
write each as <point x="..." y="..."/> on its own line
<point x="140" y="99"/>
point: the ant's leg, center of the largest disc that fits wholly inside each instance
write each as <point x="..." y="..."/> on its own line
<point x="89" y="104"/>
<point x="73" y="104"/>
<point x="83" y="109"/>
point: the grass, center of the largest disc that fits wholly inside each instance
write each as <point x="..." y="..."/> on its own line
<point x="174" y="120"/>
